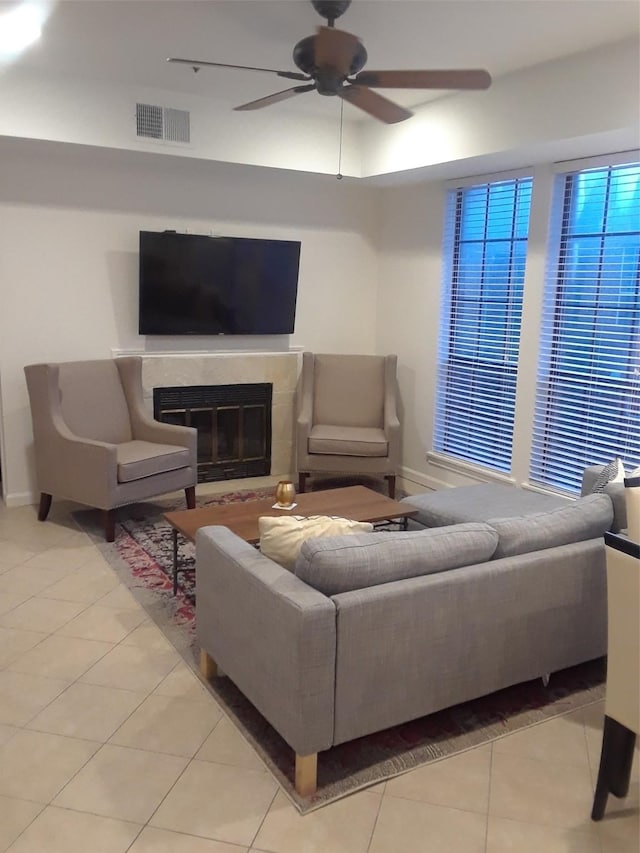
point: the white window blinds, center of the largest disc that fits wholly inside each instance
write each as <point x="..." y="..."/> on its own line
<point x="587" y="402"/>
<point x="485" y="246"/>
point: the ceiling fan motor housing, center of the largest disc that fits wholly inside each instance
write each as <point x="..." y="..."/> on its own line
<point x="328" y="80"/>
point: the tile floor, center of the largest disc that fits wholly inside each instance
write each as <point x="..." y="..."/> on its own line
<point x="109" y="743"/>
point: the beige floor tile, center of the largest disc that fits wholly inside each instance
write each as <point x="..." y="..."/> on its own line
<point x="409" y="825"/>
<point x="147" y="636"/>
<point x="103" y="623"/>
<point x="63" y="831"/>
<point x="182" y="682"/>
<point x="121" y="598"/>
<point x="36" y="765"/>
<point x="620" y="832"/>
<point x="132" y="668"/>
<point x="512" y="836"/>
<point x="9" y="600"/>
<point x="87" y="711"/>
<point x="153" y="840"/>
<point x="23" y="696"/>
<point x="560" y="739"/>
<point x="123" y="783"/>
<point x="544" y="792"/>
<point x="15" y="815"/>
<point x="217" y="801"/>
<point x="461" y="782"/>
<point x="63" y="556"/>
<point x="341" y="827"/>
<point x="61" y="657"/>
<point x="14" y="555"/>
<point x="31" y="579"/>
<point x="166" y="724"/>
<point x="14" y="642"/>
<point x="41" y="614"/>
<point x="225" y="745"/>
<point x="7" y="732"/>
<point x="88" y="584"/>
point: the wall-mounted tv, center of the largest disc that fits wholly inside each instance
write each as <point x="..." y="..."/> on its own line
<point x="192" y="284"/>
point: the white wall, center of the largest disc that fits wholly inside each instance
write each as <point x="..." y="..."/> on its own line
<point x="521" y="115"/>
<point x="69" y="254"/>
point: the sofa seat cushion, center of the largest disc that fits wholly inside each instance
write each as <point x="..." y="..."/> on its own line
<point x="282" y="537"/>
<point x="139" y="459"/>
<point x="479" y="503"/>
<point x="340" y="564"/>
<point x="585" y="518"/>
<point x="348" y="441"/>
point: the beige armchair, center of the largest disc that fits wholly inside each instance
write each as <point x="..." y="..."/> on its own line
<point x="96" y="444"/>
<point x="347" y="419"/>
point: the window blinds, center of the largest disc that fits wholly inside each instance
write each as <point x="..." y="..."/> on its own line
<point x="587" y="402"/>
<point x="484" y="252"/>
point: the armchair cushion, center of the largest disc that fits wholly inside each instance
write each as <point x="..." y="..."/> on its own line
<point x="348" y="391"/>
<point x="92" y="401"/>
<point x="348" y="441"/>
<point x="139" y="459"/>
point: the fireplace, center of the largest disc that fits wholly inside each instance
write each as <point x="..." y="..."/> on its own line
<point x="233" y="424"/>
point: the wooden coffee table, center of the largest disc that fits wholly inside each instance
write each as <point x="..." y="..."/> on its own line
<point x="354" y="502"/>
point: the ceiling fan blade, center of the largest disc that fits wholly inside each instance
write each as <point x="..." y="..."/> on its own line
<point x="374" y="104"/>
<point x="455" y="78"/>
<point x="335" y="49"/>
<point x="277" y="96"/>
<point x="196" y="63"/>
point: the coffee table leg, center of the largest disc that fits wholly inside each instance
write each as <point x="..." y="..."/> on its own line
<point x="175" y="561"/>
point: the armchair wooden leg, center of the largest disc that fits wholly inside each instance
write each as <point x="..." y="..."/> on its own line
<point x="208" y="667"/>
<point x="391" y="480"/>
<point x="306" y="774"/>
<point x="301" y="482"/>
<point x="190" y="495"/>
<point x="109" y="525"/>
<point x="45" y="506"/>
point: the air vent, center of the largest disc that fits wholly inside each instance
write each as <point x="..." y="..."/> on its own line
<point x="162" y="123"/>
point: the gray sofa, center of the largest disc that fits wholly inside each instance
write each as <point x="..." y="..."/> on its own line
<point x="376" y="629"/>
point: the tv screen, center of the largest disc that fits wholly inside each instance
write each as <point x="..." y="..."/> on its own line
<point x="192" y="284"/>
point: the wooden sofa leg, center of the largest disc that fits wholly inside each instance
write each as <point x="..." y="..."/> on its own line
<point x="208" y="667"/>
<point x="190" y="494"/>
<point x="306" y="774"/>
<point x="45" y="506"/>
<point x="302" y="478"/>
<point x="109" y="525"/>
<point x="391" y="480"/>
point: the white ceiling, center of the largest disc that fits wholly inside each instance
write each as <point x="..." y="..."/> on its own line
<point x="127" y="41"/>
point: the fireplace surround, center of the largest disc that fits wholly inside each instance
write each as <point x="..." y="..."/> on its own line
<point x="279" y="368"/>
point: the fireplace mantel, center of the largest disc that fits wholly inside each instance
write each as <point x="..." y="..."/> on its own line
<point x="226" y="368"/>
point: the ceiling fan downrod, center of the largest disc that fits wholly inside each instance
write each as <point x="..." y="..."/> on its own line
<point x="330" y="9"/>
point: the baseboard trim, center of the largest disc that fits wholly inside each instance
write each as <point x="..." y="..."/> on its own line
<point x="20" y="499"/>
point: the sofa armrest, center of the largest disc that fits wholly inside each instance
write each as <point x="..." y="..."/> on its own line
<point x="274" y="636"/>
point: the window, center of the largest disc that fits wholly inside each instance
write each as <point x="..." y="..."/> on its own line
<point x="485" y="248"/>
<point x="587" y="401"/>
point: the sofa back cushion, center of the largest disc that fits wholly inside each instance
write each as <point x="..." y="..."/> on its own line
<point x="585" y="518"/>
<point x="282" y="537"/>
<point x="339" y="564"/>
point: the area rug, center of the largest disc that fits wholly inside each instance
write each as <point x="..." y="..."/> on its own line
<point x="142" y="557"/>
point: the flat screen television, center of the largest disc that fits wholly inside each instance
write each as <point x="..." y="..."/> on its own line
<point x="192" y="284"/>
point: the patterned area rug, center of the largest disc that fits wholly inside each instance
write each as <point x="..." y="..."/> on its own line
<point x="142" y="557"/>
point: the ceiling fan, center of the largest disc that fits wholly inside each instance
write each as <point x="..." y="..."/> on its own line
<point x="331" y="63"/>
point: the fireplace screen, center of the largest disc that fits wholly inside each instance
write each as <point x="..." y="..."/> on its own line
<point x="233" y="424"/>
